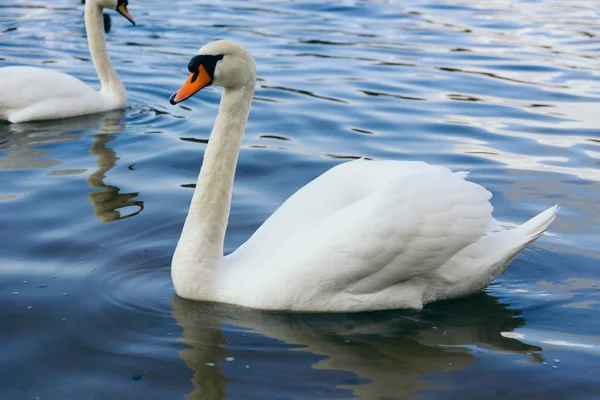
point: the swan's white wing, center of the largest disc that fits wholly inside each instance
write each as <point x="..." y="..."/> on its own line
<point x="369" y="225"/>
<point x="25" y="90"/>
<point x="335" y="189"/>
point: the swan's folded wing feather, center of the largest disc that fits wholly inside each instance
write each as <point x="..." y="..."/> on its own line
<point x="407" y="226"/>
<point x="416" y="224"/>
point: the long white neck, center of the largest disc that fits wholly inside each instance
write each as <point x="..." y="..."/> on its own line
<point x="199" y="253"/>
<point x="94" y="26"/>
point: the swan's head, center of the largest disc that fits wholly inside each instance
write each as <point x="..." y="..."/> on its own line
<point x="119" y="5"/>
<point x="220" y="63"/>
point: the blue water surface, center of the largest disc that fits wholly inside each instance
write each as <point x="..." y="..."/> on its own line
<point x="91" y="208"/>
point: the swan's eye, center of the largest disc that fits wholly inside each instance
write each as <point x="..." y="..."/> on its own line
<point x="208" y="61"/>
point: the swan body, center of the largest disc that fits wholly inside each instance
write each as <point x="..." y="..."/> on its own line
<point x="365" y="235"/>
<point x="34" y="94"/>
<point x="63" y="95"/>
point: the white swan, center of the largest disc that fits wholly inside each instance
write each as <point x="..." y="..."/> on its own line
<point x="35" y="94"/>
<point x="365" y="235"/>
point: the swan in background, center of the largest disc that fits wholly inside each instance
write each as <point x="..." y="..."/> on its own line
<point x="34" y="94"/>
<point x="365" y="235"/>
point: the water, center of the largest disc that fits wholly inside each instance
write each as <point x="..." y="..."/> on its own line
<point x="91" y="208"/>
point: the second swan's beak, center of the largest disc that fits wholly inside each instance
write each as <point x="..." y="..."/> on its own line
<point x="195" y="82"/>
<point x="122" y="9"/>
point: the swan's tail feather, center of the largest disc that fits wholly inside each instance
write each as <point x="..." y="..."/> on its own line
<point x="536" y="226"/>
<point x="474" y="267"/>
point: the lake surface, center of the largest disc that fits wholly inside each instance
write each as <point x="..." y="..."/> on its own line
<point x="91" y="208"/>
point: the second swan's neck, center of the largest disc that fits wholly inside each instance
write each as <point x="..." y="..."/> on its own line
<point x="94" y="26"/>
<point x="200" y="249"/>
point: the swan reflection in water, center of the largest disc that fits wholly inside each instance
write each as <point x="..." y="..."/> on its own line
<point x="389" y="352"/>
<point x="25" y="146"/>
<point x="109" y="203"/>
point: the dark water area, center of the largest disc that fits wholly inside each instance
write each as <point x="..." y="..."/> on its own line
<point x="91" y="208"/>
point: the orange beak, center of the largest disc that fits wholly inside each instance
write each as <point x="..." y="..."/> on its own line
<point x="195" y="82"/>
<point x="122" y="9"/>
